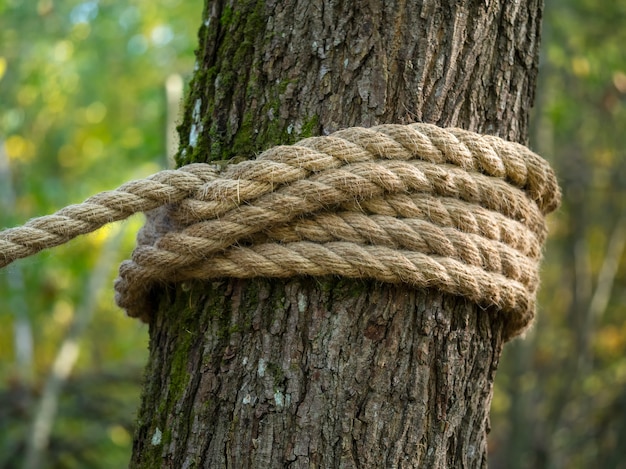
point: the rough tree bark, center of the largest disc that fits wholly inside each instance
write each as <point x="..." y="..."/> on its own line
<point x="328" y="372"/>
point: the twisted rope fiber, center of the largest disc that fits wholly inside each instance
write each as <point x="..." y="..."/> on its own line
<point x="414" y="204"/>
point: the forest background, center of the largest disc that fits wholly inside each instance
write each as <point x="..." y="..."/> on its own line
<point x="88" y="91"/>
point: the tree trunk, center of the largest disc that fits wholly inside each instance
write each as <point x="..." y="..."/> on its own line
<point x="329" y="372"/>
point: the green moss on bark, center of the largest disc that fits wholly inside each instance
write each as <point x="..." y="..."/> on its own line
<point x="227" y="118"/>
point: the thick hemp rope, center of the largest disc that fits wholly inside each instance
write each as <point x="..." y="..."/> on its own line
<point x="414" y="204"/>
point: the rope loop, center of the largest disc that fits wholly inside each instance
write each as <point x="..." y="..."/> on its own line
<point x="413" y="204"/>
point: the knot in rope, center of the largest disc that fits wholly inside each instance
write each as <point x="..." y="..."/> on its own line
<point x="413" y="204"/>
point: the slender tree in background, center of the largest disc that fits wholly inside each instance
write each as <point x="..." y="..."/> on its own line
<point x="328" y="372"/>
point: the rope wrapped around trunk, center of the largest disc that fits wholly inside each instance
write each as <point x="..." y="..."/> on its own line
<point x="414" y="204"/>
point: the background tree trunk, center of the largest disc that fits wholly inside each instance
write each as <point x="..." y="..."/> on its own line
<point x="328" y="372"/>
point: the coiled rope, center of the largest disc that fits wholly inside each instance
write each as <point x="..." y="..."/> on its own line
<point x="413" y="204"/>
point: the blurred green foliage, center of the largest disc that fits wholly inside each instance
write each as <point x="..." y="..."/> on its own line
<point x="560" y="394"/>
<point x="82" y="109"/>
